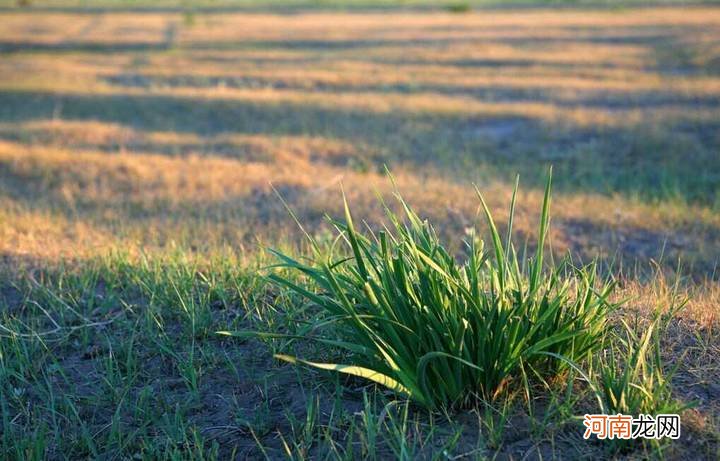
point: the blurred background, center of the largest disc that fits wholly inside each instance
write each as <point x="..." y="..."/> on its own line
<point x="153" y="125"/>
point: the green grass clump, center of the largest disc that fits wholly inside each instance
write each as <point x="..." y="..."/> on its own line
<point x="445" y="332"/>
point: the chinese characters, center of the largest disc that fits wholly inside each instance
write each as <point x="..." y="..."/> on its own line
<point x="621" y="426"/>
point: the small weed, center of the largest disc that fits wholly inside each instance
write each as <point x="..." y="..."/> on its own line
<point x="631" y="373"/>
<point x="459" y="7"/>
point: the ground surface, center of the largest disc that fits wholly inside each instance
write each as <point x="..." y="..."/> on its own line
<point x="160" y="133"/>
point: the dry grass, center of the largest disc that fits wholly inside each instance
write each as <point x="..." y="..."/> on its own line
<point x="146" y="129"/>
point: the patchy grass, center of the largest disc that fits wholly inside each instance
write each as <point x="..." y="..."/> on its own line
<point x="116" y="357"/>
<point x="137" y="150"/>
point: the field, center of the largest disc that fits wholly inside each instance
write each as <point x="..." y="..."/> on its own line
<point x="143" y="154"/>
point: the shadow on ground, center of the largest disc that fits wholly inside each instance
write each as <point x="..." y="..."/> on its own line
<point x="670" y="160"/>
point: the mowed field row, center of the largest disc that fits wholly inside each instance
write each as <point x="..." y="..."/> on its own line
<point x="151" y="127"/>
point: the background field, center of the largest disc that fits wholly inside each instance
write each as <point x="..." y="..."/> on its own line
<point x="160" y="132"/>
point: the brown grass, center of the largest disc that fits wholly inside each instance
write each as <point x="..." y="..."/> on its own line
<point x="143" y="129"/>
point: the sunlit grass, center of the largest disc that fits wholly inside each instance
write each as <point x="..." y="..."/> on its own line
<point x="632" y="377"/>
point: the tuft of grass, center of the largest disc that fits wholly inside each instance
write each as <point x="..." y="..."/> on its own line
<point x="631" y="374"/>
<point x="439" y="331"/>
<point x="459" y="7"/>
<point x="631" y="379"/>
